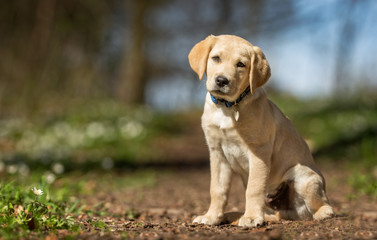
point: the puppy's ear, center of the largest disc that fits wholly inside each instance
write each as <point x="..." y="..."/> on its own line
<point x="198" y="55"/>
<point x="260" y="70"/>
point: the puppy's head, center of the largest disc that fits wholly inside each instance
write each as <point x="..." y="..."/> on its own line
<point x="231" y="64"/>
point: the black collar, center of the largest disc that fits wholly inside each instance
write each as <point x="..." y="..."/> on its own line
<point x="230" y="104"/>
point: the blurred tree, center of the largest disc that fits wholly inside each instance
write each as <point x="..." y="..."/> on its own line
<point x="37" y="52"/>
<point x="55" y="51"/>
<point x="133" y="69"/>
<point x="49" y="52"/>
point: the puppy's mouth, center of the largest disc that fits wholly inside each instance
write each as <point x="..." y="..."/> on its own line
<point x="224" y="93"/>
<point x="219" y="92"/>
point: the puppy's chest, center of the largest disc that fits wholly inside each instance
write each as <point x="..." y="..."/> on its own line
<point x="222" y="133"/>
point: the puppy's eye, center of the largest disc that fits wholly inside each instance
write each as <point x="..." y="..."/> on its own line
<point x="216" y="59"/>
<point x="241" y="65"/>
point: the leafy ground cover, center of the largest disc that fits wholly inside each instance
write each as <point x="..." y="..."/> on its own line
<point x="31" y="207"/>
<point x="103" y="136"/>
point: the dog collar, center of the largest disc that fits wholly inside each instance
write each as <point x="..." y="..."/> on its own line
<point x="230" y="104"/>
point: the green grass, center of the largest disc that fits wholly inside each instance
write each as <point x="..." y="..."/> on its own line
<point x="336" y="128"/>
<point x="364" y="183"/>
<point x="22" y="212"/>
<point x="106" y="134"/>
<point x="103" y="135"/>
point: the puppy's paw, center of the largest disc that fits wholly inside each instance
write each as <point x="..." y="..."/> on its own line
<point x="324" y="212"/>
<point x="250" y="222"/>
<point x="209" y="219"/>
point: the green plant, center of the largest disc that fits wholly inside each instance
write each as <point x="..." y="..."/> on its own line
<point x="24" y="210"/>
<point x="364" y="183"/>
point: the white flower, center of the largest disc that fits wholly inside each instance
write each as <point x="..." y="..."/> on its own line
<point x="37" y="192"/>
<point x="12" y="169"/>
<point x="23" y="169"/>
<point x="95" y="130"/>
<point x="107" y="163"/>
<point x="50" y="177"/>
<point x="131" y="129"/>
<point x="58" y="168"/>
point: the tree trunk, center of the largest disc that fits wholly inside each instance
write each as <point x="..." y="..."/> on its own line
<point x="33" y="86"/>
<point x="132" y="77"/>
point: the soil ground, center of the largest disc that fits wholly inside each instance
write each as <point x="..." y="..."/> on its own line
<point x="165" y="211"/>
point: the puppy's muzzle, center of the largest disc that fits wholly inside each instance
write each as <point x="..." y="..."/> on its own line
<point x="221" y="81"/>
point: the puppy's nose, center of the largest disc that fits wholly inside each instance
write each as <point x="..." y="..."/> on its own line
<point x="221" y="81"/>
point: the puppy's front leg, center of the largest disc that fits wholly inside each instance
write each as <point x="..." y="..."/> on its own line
<point x="221" y="177"/>
<point x="255" y="194"/>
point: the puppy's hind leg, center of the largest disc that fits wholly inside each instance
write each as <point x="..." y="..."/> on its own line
<point x="310" y="188"/>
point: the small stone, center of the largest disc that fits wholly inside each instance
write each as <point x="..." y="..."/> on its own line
<point x="275" y="234"/>
<point x="369" y="215"/>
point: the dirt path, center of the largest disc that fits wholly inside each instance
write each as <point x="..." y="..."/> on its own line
<point x="165" y="211"/>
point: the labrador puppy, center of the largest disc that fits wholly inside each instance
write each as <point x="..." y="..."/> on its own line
<point x="248" y="135"/>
